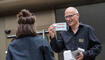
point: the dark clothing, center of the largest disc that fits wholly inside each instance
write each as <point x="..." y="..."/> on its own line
<point x="84" y="38"/>
<point x="29" y="48"/>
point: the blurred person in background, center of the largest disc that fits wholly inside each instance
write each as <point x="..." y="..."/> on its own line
<point x="78" y="35"/>
<point x="27" y="45"/>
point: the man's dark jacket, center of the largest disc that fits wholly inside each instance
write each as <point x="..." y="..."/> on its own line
<point x="85" y="38"/>
<point x="29" y="48"/>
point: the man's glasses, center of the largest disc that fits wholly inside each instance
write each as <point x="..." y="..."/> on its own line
<point x="69" y="16"/>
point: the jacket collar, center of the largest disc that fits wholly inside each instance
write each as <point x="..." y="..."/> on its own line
<point x="22" y="36"/>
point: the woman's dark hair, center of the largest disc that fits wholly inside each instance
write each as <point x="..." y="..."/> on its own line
<point x="26" y="23"/>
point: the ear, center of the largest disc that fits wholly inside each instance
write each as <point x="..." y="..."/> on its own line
<point x="78" y="15"/>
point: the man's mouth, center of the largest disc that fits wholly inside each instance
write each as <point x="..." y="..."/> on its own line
<point x="69" y="21"/>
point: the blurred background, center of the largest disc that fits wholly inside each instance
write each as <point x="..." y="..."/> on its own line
<point x="47" y="12"/>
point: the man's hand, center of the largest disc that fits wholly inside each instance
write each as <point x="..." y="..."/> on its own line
<point x="51" y="30"/>
<point x="80" y="57"/>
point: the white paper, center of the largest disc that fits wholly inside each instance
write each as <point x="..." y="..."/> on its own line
<point x="60" y="26"/>
<point x="68" y="55"/>
<point x="77" y="52"/>
<point x="82" y="50"/>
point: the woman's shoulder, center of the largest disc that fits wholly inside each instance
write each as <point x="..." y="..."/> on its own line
<point x="44" y="41"/>
<point x="38" y="38"/>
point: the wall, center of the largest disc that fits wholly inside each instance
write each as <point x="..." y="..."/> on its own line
<point x="2" y="39"/>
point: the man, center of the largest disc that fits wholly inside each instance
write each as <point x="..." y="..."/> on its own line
<point x="77" y="36"/>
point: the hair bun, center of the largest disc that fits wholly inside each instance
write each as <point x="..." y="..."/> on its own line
<point x="24" y="13"/>
<point x="25" y="17"/>
<point x="27" y="20"/>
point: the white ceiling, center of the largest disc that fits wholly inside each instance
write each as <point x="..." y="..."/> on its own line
<point x="16" y="4"/>
<point x="9" y="6"/>
<point x="6" y="1"/>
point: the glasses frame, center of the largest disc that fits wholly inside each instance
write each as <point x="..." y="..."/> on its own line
<point x="69" y="16"/>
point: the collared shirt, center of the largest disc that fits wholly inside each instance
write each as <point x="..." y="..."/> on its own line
<point x="84" y="38"/>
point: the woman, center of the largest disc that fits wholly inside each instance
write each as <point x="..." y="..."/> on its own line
<point x="27" y="45"/>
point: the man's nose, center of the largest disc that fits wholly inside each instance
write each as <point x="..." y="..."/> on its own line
<point x="68" y="19"/>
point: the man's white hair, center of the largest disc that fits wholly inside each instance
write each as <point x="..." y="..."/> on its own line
<point x="72" y="8"/>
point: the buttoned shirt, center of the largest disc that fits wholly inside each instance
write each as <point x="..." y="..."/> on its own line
<point x="84" y="38"/>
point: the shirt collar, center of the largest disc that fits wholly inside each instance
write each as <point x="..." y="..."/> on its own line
<point x="80" y="26"/>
